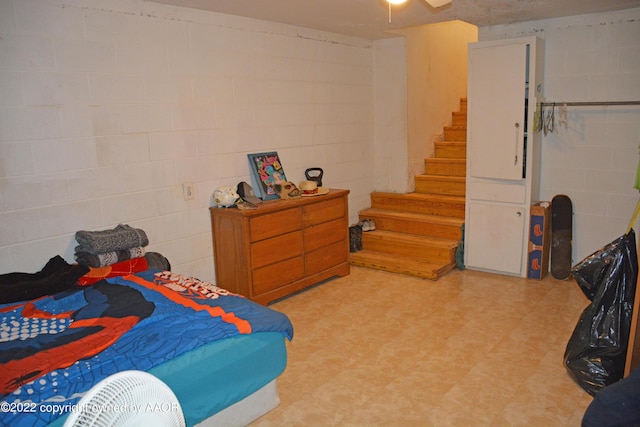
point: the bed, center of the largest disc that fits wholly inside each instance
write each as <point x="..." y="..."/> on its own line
<point x="220" y="353"/>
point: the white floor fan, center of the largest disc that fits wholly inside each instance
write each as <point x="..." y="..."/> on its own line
<point x="128" y="399"/>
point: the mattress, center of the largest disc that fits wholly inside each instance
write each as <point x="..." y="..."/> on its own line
<point x="242" y="365"/>
<point x="211" y="347"/>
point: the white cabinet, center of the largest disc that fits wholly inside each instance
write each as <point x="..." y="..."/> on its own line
<point x="503" y="152"/>
<point x="495" y="226"/>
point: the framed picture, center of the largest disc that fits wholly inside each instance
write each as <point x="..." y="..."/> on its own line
<point x="266" y="170"/>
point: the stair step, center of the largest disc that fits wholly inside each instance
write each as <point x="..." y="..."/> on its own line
<point x="429" y="204"/>
<point x="450" y="149"/>
<point x="418" y="233"/>
<point x="399" y="264"/>
<point x="455" y="133"/>
<point x="411" y="246"/>
<point x="418" y="224"/>
<point x="437" y="184"/>
<point x="445" y="166"/>
<point x="459" y="118"/>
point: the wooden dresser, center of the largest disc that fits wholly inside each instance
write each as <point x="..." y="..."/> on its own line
<point x="281" y="247"/>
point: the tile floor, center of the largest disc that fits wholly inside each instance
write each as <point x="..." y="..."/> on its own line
<point x="471" y="349"/>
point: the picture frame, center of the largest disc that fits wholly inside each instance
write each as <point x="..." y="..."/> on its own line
<point x="266" y="170"/>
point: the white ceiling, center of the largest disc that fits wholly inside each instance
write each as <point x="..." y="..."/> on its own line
<point x="370" y="18"/>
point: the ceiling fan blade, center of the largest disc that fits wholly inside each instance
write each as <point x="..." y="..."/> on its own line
<point x="438" y="3"/>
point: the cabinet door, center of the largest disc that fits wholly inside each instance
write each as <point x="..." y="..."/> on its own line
<point x="495" y="236"/>
<point x="496" y="110"/>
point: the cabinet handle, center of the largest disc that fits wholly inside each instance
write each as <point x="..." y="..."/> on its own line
<point x="519" y="213"/>
<point x="515" y="159"/>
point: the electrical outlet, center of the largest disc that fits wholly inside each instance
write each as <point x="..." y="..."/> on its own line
<point x="188" y="191"/>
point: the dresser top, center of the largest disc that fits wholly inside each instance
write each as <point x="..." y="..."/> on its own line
<point x="268" y="206"/>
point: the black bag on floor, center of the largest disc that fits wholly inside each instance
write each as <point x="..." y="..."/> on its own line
<point x="596" y="352"/>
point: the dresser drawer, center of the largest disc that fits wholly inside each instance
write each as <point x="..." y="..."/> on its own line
<point x="273" y="276"/>
<point x="322" y="212"/>
<point x="324" y="234"/>
<point x="276" y="249"/>
<point x="276" y="223"/>
<point x="326" y="257"/>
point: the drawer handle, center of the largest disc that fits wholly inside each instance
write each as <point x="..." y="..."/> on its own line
<point x="515" y="160"/>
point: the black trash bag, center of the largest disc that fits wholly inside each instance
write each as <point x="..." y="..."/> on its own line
<point x="596" y="352"/>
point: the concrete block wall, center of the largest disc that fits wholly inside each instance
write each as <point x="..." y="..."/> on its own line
<point x="594" y="158"/>
<point x="391" y="148"/>
<point x="107" y="108"/>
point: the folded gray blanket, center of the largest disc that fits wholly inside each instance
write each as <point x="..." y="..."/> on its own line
<point x="121" y="237"/>
<point x="108" y="258"/>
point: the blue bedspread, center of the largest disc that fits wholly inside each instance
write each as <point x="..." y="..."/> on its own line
<point x="54" y="349"/>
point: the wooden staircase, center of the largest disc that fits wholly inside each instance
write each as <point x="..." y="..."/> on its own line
<point x="419" y="233"/>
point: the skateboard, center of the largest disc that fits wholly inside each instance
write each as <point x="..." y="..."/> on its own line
<point x="561" y="236"/>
